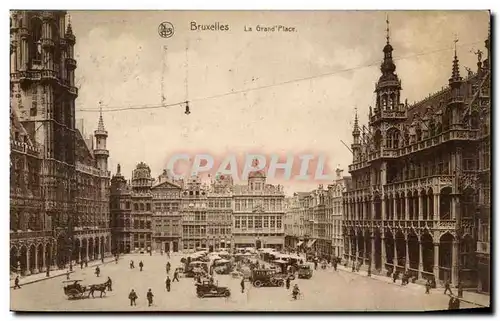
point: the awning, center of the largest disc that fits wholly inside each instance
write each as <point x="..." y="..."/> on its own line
<point x="300" y="243"/>
<point x="311" y="242"/>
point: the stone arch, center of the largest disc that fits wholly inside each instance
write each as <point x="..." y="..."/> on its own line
<point x="430" y="203"/>
<point x="35" y="52"/>
<point x="96" y="248"/>
<point x="103" y="246"/>
<point x="445" y="203"/>
<point x="84" y="248"/>
<point x="392" y="138"/>
<point x="76" y="250"/>
<point x="413" y="249"/>
<point x="23" y="259"/>
<point x="32" y="258"/>
<point x="61" y="250"/>
<point x="14" y="258"/>
<point x="427" y="242"/>
<point x="378" y="206"/>
<point x="467" y="203"/>
<point x="377" y="139"/>
<point x="91" y="248"/>
<point x="445" y="256"/>
<point x="389" y="248"/>
<point x="41" y="256"/>
<point x="400" y="248"/>
<point x="425" y="204"/>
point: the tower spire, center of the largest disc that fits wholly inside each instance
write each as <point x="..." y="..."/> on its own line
<point x="356" y="125"/>
<point x="69" y="29"/>
<point x="387" y="37"/>
<point x="100" y="125"/>
<point x="455" y="73"/>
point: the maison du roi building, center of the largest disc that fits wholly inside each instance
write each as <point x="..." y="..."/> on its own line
<point x="420" y="200"/>
<point x="176" y="215"/>
<point x="59" y="181"/>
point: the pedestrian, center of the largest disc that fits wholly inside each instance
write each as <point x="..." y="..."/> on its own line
<point x="315" y="265"/>
<point x="81" y="264"/>
<point x="394" y="276"/>
<point x="287" y="283"/>
<point x="451" y="303"/>
<point x="67" y="275"/>
<point x="460" y="289"/>
<point x="132" y="264"/>
<point x="456" y="303"/>
<point x="242" y="284"/>
<point x="168" y="254"/>
<point x="132" y="296"/>
<point x="97" y="271"/>
<point x="109" y="284"/>
<point x="335" y="265"/>
<point x="150" y="296"/>
<point x="176" y="276"/>
<point x="369" y="271"/>
<point x="16" y="283"/>
<point x="167" y="283"/>
<point x="141" y="265"/>
<point x="447" y="287"/>
<point x="428" y="287"/>
<point x="86" y="263"/>
<point x="116" y="259"/>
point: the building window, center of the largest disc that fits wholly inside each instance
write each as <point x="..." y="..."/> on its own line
<point x="36" y="45"/>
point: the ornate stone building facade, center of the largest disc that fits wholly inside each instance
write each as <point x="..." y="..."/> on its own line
<point x="49" y="225"/>
<point x="167" y="218"/>
<point x="335" y="212"/>
<point x="416" y="185"/>
<point x="295" y="214"/>
<point x="258" y="213"/>
<point x="131" y="210"/>
<point x="219" y="212"/>
<point x="194" y="204"/>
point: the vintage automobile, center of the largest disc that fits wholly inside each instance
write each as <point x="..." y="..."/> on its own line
<point x="209" y="289"/>
<point x="266" y="277"/>
<point x="305" y="272"/>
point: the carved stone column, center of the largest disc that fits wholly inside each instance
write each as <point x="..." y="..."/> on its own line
<point x="436" y="261"/>
<point x="420" y="208"/>
<point x="382" y="250"/>
<point x="407" y="256"/>
<point x="407" y="208"/>
<point x="420" y="259"/>
<point x="454" y="263"/>
<point x="436" y="207"/>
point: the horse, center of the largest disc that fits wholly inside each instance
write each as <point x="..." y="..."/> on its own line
<point x="98" y="287"/>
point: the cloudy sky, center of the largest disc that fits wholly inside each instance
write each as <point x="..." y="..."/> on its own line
<point x="122" y="62"/>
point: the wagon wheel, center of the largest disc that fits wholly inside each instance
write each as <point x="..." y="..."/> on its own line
<point x="257" y="283"/>
<point x="280" y="283"/>
<point x="227" y="293"/>
<point x="200" y="294"/>
<point x="74" y="293"/>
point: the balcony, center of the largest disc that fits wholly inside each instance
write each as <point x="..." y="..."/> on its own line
<point x="29" y="234"/>
<point x="483" y="247"/>
<point x="456" y="99"/>
<point x="101" y="152"/>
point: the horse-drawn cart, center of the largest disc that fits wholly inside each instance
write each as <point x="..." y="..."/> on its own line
<point x="74" y="290"/>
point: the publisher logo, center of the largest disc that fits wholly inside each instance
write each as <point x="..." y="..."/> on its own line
<point x="166" y="29"/>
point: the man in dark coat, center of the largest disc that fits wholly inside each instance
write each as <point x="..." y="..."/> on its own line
<point x="167" y="283"/>
<point x="150" y="296"/>
<point x="242" y="284"/>
<point x="176" y="276"/>
<point x="16" y="283"/>
<point x="132" y="297"/>
<point x="110" y="283"/>
<point x="141" y="265"/>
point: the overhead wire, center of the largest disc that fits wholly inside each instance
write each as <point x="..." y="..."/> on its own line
<point x="233" y="92"/>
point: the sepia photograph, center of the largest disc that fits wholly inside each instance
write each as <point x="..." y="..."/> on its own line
<point x="252" y="161"/>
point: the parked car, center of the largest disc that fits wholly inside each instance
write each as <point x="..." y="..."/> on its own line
<point x="305" y="272"/>
<point x="209" y="289"/>
<point x="266" y="277"/>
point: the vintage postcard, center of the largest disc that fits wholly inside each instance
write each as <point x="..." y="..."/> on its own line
<point x="250" y="160"/>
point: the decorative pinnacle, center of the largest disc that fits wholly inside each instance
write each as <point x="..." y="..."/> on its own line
<point x="100" y="125"/>
<point x="356" y="126"/>
<point x="387" y="29"/>
<point x="69" y="30"/>
<point x="455" y="74"/>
